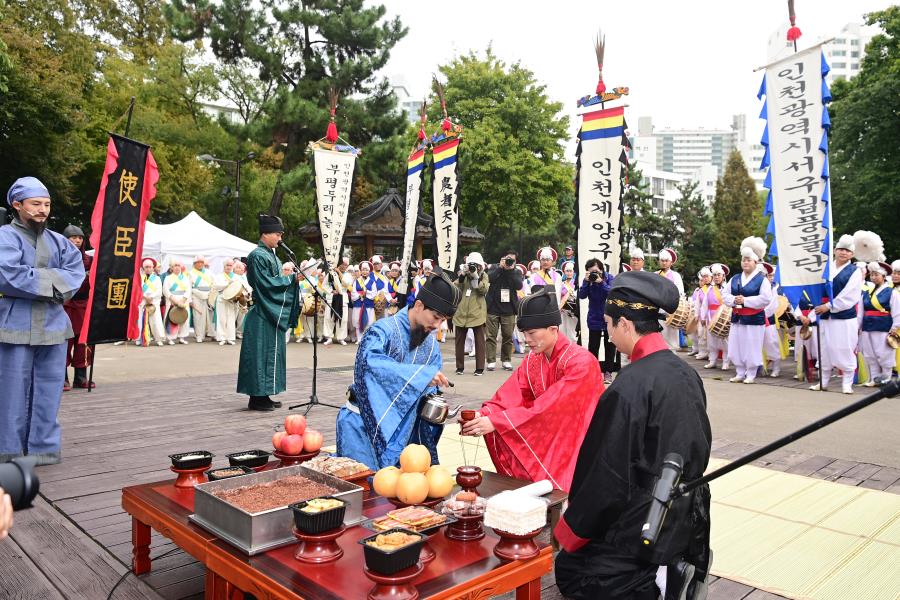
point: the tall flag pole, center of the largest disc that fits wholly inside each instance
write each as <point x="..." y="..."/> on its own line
<point x="415" y="173"/>
<point x="445" y="186"/>
<point x="127" y="188"/>
<point x="333" y="163"/>
<point x="599" y="173"/>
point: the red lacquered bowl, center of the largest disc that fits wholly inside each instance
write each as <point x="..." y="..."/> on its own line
<point x="289" y="460"/>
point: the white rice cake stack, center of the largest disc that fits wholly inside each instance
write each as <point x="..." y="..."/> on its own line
<point x="515" y="513"/>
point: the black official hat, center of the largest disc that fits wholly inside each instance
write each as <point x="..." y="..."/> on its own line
<point x="270" y="224"/>
<point x="539" y="310"/>
<point x="640" y="295"/>
<point x="439" y="293"/>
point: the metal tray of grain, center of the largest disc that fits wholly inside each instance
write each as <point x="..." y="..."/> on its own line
<point x="258" y="532"/>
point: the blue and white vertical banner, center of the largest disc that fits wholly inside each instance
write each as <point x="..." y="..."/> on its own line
<point x="415" y="169"/>
<point x="796" y="154"/>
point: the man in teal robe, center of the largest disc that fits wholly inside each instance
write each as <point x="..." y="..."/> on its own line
<point x="398" y="362"/>
<point x="276" y="307"/>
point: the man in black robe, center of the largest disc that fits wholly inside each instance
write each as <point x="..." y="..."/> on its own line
<point x="655" y="406"/>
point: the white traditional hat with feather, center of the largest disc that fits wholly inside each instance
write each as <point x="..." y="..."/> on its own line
<point x="753" y="247"/>
<point x="868" y="246"/>
<point x="846" y="243"/>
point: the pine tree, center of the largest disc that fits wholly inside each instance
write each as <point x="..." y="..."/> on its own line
<point x="695" y="231"/>
<point x="735" y="210"/>
<point x="306" y="48"/>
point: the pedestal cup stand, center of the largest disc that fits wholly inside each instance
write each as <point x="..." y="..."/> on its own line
<point x="188" y="478"/>
<point x="467" y="528"/>
<point x="320" y="547"/>
<point x="516" y="547"/>
<point x="397" y="586"/>
<point x="289" y="460"/>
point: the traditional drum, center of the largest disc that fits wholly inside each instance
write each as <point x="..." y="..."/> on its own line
<point x="393" y="310"/>
<point x="321" y="308"/>
<point x="232" y="291"/>
<point x="309" y="306"/>
<point x="720" y="324"/>
<point x="211" y="299"/>
<point x="693" y="323"/>
<point x="380" y="305"/>
<point x="177" y="315"/>
<point x="150" y="308"/>
<point x="679" y="318"/>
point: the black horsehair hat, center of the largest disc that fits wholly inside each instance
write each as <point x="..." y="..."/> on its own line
<point x="439" y="293"/>
<point x="539" y="310"/>
<point x="640" y="295"/>
<point x="270" y="224"/>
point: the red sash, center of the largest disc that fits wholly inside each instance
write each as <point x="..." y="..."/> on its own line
<point x="877" y="313"/>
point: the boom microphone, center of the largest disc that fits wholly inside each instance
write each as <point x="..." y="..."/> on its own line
<point x="663" y="491"/>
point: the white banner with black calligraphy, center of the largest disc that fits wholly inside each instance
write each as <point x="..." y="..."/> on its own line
<point x="445" y="186"/>
<point x="334" y="180"/>
<point x="415" y="165"/>
<point x="599" y="173"/>
<point x="796" y="154"/>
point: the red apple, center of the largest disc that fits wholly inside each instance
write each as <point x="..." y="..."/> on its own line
<point x="295" y="424"/>
<point x="312" y="440"/>
<point x="292" y="444"/>
<point x="277" y="438"/>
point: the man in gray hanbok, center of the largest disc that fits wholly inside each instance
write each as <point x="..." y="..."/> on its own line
<point x="39" y="270"/>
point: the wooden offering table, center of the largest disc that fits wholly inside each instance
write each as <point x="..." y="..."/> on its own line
<point x="459" y="569"/>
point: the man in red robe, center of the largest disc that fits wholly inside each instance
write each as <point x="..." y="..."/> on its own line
<point x="78" y="355"/>
<point x="536" y="421"/>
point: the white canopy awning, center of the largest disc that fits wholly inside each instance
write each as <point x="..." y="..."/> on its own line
<point x="192" y="236"/>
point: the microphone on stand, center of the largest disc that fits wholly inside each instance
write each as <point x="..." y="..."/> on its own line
<point x="663" y="491"/>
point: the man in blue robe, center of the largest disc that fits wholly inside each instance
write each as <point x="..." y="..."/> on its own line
<point x="39" y="270"/>
<point x="398" y="362"/>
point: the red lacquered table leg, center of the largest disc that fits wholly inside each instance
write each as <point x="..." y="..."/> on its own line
<point x="529" y="591"/>
<point x="140" y="547"/>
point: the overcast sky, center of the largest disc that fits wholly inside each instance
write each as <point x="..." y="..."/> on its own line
<point x="687" y="64"/>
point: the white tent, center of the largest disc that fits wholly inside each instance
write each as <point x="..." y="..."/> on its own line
<point x="192" y="236"/>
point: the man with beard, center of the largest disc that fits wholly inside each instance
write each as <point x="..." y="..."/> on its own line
<point x="78" y="355"/>
<point x="39" y="271"/>
<point x="397" y="363"/>
<point x="276" y="307"/>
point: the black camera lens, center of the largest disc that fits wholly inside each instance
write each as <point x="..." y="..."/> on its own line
<point x="17" y="478"/>
<point x="509" y="261"/>
<point x="593" y="275"/>
<point x="473" y="267"/>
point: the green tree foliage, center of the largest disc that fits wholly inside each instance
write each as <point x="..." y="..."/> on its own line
<point x="513" y="175"/>
<point x="865" y="138"/>
<point x="695" y="232"/>
<point x="304" y="48"/>
<point x="643" y="226"/>
<point x="736" y="210"/>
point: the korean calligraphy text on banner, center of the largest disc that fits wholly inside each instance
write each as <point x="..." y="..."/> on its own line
<point x="599" y="190"/>
<point x="117" y="236"/>
<point x="415" y="166"/>
<point x="796" y="142"/>
<point x="445" y="186"/>
<point x="334" y="180"/>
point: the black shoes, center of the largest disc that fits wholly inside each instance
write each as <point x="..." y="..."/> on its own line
<point x="479" y="372"/>
<point x="263" y="403"/>
<point x="459" y="371"/>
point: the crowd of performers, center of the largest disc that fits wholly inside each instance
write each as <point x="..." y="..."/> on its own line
<point x="746" y="321"/>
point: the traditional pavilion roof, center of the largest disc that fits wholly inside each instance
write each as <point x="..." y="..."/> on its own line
<point x="385" y="219"/>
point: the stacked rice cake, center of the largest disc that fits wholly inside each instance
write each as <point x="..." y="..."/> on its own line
<point x="515" y="513"/>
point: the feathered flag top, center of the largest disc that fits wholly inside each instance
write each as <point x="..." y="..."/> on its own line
<point x="600" y="171"/>
<point x="333" y="163"/>
<point x="445" y="145"/>
<point x="795" y="138"/>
